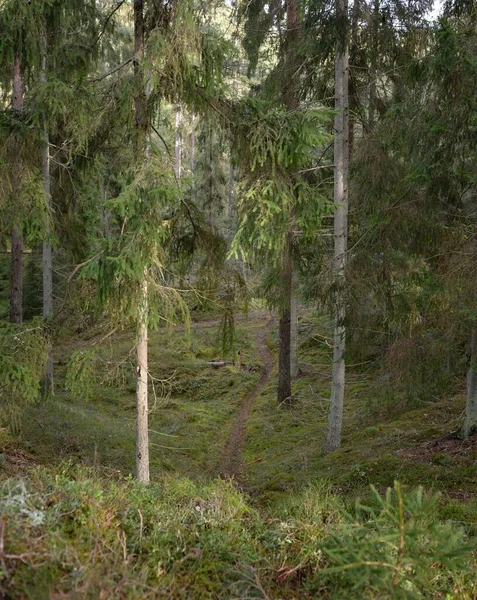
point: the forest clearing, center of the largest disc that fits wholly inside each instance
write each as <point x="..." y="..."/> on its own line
<point x="238" y="324"/>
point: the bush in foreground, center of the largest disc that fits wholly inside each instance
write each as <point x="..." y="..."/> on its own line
<point x="73" y="534"/>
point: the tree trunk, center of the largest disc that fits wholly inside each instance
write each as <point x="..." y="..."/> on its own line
<point x="294" y="367"/>
<point x="341" y="150"/>
<point x="192" y="146"/>
<point x="373" y="70"/>
<point x="48" y="381"/>
<point x="284" y="375"/>
<point x="470" y="421"/>
<point x="291" y="97"/>
<point x="142" y="427"/>
<point x="178" y="142"/>
<point x="16" y="280"/>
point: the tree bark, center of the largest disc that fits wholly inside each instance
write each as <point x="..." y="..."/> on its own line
<point x="291" y="99"/>
<point x="192" y="146"/>
<point x="294" y="366"/>
<point x="142" y="409"/>
<point x="284" y="375"/>
<point x="341" y="153"/>
<point x="48" y="381"/>
<point x="373" y="70"/>
<point x="16" y="280"/>
<point x="470" y="421"/>
<point x="178" y="142"/>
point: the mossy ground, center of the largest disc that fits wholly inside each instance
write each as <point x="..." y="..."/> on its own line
<point x="193" y="412"/>
<point x="265" y="543"/>
<point x="192" y="405"/>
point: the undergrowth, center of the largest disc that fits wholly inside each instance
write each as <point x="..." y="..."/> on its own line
<point x="73" y="532"/>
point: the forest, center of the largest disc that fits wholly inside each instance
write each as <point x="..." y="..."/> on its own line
<point x="238" y="299"/>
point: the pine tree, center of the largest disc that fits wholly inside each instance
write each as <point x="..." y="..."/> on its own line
<point x="341" y="157"/>
<point x="142" y="374"/>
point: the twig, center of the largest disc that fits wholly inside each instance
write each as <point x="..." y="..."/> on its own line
<point x="115" y="70"/>
<point x="108" y="18"/>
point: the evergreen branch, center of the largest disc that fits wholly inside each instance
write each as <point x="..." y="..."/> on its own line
<point x="315" y="168"/>
<point x="166" y="146"/>
<point x="115" y="70"/>
<point x="80" y="265"/>
<point x="105" y="24"/>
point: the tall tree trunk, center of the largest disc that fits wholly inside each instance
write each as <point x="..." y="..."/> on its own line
<point x="291" y="97"/>
<point x="142" y="427"/>
<point x="284" y="331"/>
<point x="294" y="366"/>
<point x="373" y="70"/>
<point x="48" y="381"/>
<point x="353" y="51"/>
<point x="16" y="280"/>
<point x="470" y="421"/>
<point x="341" y="152"/>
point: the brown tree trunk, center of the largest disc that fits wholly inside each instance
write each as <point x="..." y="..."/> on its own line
<point x="294" y="365"/>
<point x="16" y="280"/>
<point x="291" y="98"/>
<point x="470" y="421"/>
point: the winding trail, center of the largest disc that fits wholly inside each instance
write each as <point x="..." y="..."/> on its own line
<point x="231" y="462"/>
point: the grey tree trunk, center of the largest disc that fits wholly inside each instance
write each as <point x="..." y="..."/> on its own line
<point x="373" y="70"/>
<point x="341" y="153"/>
<point x="16" y="280"/>
<point x="294" y="366"/>
<point x="178" y="142"/>
<point x="142" y="409"/>
<point x="48" y="381"/>
<point x="192" y="146"/>
<point x="284" y="379"/>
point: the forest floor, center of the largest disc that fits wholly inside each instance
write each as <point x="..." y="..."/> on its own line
<point x="242" y="502"/>
<point x="225" y="421"/>
<point x="232" y="460"/>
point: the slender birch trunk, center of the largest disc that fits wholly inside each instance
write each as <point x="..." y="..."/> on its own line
<point x="142" y="427"/>
<point x="16" y="280"/>
<point x="341" y="150"/>
<point x="294" y="366"/>
<point x="48" y="381"/>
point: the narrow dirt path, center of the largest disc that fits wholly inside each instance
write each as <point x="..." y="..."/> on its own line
<point x="231" y="464"/>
